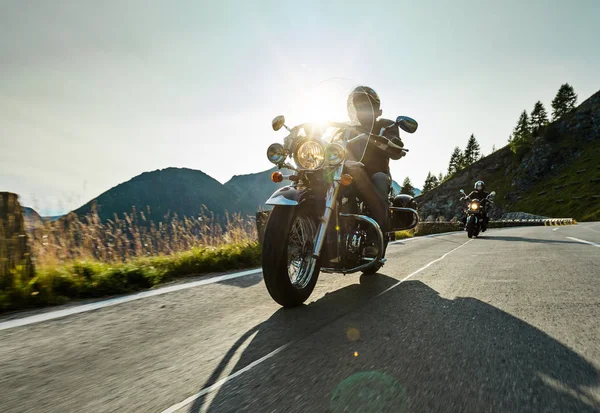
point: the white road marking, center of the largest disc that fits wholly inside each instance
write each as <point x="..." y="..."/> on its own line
<point x="421" y="269"/>
<point x="584" y="241"/>
<point x="400" y="241"/>
<point x="221" y="382"/>
<point x="556" y="229"/>
<point x="19" y="322"/>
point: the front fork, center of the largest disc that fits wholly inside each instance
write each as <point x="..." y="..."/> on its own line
<point x="330" y="198"/>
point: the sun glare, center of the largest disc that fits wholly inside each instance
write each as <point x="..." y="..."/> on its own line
<point x="326" y="101"/>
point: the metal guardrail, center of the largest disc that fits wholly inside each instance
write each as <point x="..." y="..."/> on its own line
<point x="532" y="222"/>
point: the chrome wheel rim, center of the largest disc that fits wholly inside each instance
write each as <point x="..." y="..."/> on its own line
<point x="300" y="263"/>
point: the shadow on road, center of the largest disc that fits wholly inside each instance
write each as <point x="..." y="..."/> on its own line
<point x="422" y="352"/>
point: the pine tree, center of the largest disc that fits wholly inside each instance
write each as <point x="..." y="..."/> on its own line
<point x="539" y="117"/>
<point x="435" y="181"/>
<point x="493" y="148"/>
<point x="407" y="187"/>
<point x="428" y="185"/>
<point x="440" y="178"/>
<point x="564" y="102"/>
<point x="522" y="133"/>
<point x="472" y="152"/>
<point x="456" y="160"/>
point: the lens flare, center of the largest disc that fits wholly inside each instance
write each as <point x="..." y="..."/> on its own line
<point x="353" y="334"/>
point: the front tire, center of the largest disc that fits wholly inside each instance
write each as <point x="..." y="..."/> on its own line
<point x="287" y="255"/>
<point x="470" y="227"/>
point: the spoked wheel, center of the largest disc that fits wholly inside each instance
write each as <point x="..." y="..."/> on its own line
<point x="289" y="270"/>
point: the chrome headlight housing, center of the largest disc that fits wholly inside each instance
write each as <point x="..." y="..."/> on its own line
<point x="335" y="154"/>
<point x="276" y="153"/>
<point x="309" y="154"/>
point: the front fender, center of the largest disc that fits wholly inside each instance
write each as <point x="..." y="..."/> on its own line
<point x="288" y="196"/>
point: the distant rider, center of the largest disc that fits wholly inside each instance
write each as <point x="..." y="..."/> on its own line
<point x="480" y="194"/>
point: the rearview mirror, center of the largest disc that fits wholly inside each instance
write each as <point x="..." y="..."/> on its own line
<point x="462" y="191"/>
<point x="407" y="124"/>
<point x="493" y="193"/>
<point x="278" y="122"/>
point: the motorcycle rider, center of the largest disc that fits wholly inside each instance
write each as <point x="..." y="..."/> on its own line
<point x="373" y="178"/>
<point x="479" y="193"/>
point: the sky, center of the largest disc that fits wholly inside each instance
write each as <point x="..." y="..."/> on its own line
<point x="94" y="93"/>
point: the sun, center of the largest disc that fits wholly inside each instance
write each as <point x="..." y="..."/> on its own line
<point x="324" y="102"/>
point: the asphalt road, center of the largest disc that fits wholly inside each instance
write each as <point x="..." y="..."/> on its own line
<point x="509" y="322"/>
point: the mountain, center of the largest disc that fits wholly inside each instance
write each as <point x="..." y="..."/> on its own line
<point x="558" y="176"/>
<point x="172" y="190"/>
<point x="256" y="188"/>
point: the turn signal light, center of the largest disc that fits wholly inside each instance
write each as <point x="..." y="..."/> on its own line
<point x="276" y="177"/>
<point x="346" y="180"/>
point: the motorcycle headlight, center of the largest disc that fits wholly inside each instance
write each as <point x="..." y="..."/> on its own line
<point x="335" y="154"/>
<point x="310" y="155"/>
<point x="276" y="153"/>
<point x="474" y="206"/>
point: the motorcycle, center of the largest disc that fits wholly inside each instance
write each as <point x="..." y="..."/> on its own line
<point x="475" y="212"/>
<point x="319" y="222"/>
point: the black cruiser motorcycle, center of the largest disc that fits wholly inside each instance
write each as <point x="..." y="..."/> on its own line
<point x="319" y="222"/>
<point x="475" y="212"/>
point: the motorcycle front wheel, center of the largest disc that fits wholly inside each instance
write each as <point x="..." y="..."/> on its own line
<point x="289" y="270"/>
<point x="470" y="227"/>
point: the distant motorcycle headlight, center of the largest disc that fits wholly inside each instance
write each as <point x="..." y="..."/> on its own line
<point x="276" y="153"/>
<point x="310" y="155"/>
<point x="474" y="206"/>
<point x="334" y="154"/>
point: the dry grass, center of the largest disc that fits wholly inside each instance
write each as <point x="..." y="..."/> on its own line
<point x="132" y="236"/>
<point x="85" y="258"/>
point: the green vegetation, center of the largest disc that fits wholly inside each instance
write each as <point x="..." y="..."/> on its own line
<point x="84" y="258"/>
<point x="430" y="182"/>
<point x="456" y="161"/>
<point x="81" y="279"/>
<point x="407" y="187"/>
<point x="564" y="102"/>
<point x="472" y="152"/>
<point x="572" y="191"/>
<point x="539" y="118"/>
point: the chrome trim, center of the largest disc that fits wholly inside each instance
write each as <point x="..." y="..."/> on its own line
<point x="369" y="264"/>
<point x="281" y="200"/>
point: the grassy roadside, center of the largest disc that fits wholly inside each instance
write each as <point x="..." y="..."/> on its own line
<point x="81" y="279"/>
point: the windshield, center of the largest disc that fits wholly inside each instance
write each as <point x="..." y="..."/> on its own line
<point x="345" y="135"/>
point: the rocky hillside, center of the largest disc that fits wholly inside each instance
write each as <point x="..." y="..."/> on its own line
<point x="31" y="217"/>
<point x="558" y="176"/>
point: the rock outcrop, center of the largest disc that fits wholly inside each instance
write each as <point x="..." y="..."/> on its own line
<point x="14" y="247"/>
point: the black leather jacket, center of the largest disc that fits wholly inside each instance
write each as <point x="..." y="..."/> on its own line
<point x="376" y="159"/>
